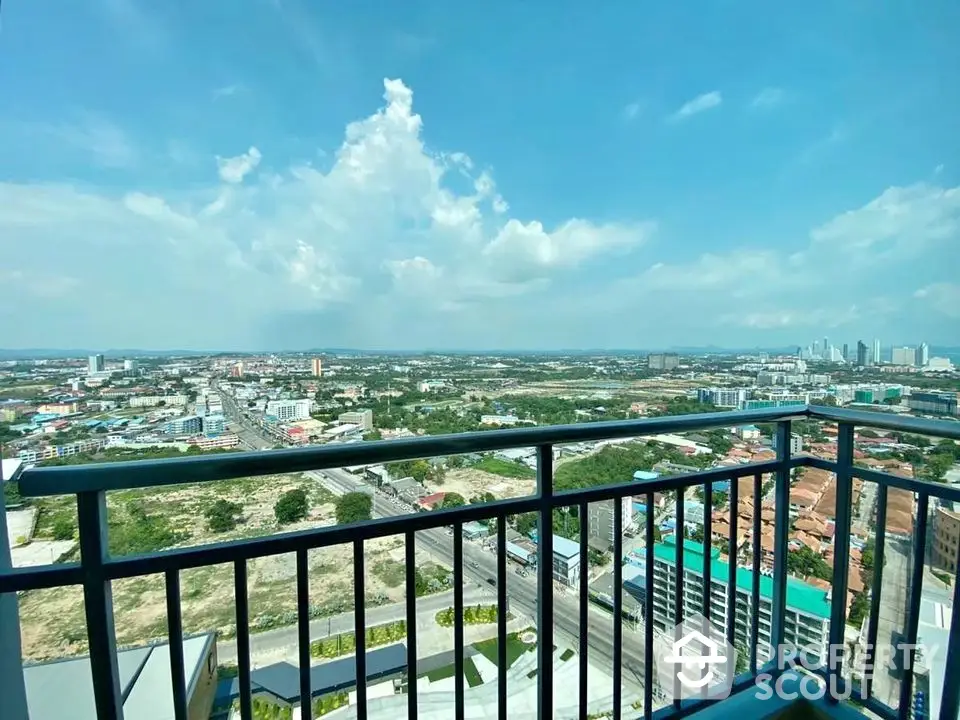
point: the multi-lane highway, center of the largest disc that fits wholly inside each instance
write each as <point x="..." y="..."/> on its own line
<point x="480" y="565"/>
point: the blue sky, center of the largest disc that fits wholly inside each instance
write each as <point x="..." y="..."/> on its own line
<point x="292" y="174"/>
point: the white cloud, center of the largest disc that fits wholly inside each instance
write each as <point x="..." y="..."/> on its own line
<point x="767" y="98"/>
<point x="901" y="221"/>
<point x="92" y="135"/>
<point x="228" y="90"/>
<point x="256" y="250"/>
<point x="942" y="297"/>
<point x="699" y="104"/>
<point x="234" y="169"/>
<point x="631" y="111"/>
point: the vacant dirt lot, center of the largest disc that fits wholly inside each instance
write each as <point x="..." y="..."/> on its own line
<point x="52" y="621"/>
<point x="469" y="482"/>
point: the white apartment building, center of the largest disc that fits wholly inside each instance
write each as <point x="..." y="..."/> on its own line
<point x="154" y="400"/>
<point x="807" y="619"/>
<point x="600" y="519"/>
<point x="722" y="397"/>
<point x="286" y="410"/>
<point x="566" y="561"/>
<point x="903" y="355"/>
<point x="796" y="443"/>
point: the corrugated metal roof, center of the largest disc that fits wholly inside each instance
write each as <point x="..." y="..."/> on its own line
<point x="64" y="688"/>
<point x="565" y="548"/>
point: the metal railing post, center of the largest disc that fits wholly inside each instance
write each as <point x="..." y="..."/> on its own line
<point x="12" y="687"/>
<point x="781" y="526"/>
<point x="841" y="541"/>
<point x="545" y="583"/>
<point x="98" y="604"/>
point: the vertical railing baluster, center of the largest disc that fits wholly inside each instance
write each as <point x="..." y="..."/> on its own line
<point x="876" y="588"/>
<point x="545" y="582"/>
<point x="502" y="617"/>
<point x="648" y="612"/>
<point x="360" y="627"/>
<point x="243" y="638"/>
<point x="950" y="699"/>
<point x="913" y="611"/>
<point x="734" y="497"/>
<point x="175" y="643"/>
<point x="458" y="621"/>
<point x="841" y="543"/>
<point x="411" y="570"/>
<point x="303" y="634"/>
<point x="98" y="604"/>
<point x="617" y="605"/>
<point x="13" y="688"/>
<point x="707" y="547"/>
<point x="584" y="583"/>
<point x="679" y="536"/>
<point x="754" y="638"/>
<point x="781" y="536"/>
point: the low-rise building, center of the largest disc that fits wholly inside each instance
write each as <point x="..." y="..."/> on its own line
<point x="566" y="560"/>
<point x="286" y="410"/>
<point x="361" y="418"/>
<point x="186" y="425"/>
<point x="601" y="516"/>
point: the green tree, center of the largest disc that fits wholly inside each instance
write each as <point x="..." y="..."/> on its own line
<point x="805" y="562"/>
<point x="743" y="658"/>
<point x="452" y="500"/>
<point x="291" y="507"/>
<point x="11" y="494"/>
<point x="525" y="522"/>
<point x="223" y="515"/>
<point x="866" y="557"/>
<point x="858" y="609"/>
<point x="354" y="507"/>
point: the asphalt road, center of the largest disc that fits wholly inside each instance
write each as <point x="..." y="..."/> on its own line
<point x="480" y="565"/>
<point x="250" y="435"/>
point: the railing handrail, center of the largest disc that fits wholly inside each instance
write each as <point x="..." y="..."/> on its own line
<point x="125" y="475"/>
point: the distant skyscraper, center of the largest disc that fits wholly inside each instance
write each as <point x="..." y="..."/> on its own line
<point x="846" y="352"/>
<point x="317" y="366"/>
<point x="903" y="355"/>
<point x="826" y="348"/>
<point x="130" y="366"/>
<point x="876" y="352"/>
<point x="923" y="355"/>
<point x="816" y="348"/>
<point x="95" y="363"/>
<point x="862" y="353"/>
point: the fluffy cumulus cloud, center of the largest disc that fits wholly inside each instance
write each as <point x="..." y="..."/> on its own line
<point x="395" y="245"/>
<point x="699" y="104"/>
<point x="378" y="238"/>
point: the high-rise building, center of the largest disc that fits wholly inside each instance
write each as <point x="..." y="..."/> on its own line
<point x="95" y="364"/>
<point x="317" y="367"/>
<point x="826" y="348"/>
<point x="862" y="353"/>
<point x="846" y="352"/>
<point x="923" y="355"/>
<point x="236" y="370"/>
<point x="130" y="367"/>
<point x="903" y="355"/>
<point x="722" y="397"/>
<point x="876" y="352"/>
<point x="285" y="410"/>
<point x="663" y="361"/>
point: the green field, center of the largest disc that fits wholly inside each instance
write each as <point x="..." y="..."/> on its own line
<point x="504" y="468"/>
<point x="515" y="648"/>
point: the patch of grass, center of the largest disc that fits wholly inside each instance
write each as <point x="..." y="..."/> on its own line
<point x="345" y="643"/>
<point x="504" y="468"/>
<point x="566" y="655"/>
<point x="515" y="648"/>
<point x="442" y="673"/>
<point x="391" y="572"/>
<point x="471" y="674"/>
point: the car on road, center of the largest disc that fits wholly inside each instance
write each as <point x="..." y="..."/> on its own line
<point x="474" y="564"/>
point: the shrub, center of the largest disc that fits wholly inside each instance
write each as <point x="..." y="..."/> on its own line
<point x="63" y="528"/>
<point x="291" y="507"/>
<point x="223" y="515"/>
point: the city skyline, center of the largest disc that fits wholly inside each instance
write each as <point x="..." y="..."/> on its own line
<point x="396" y="188"/>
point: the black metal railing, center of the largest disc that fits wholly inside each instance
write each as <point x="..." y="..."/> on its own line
<point x="97" y="569"/>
